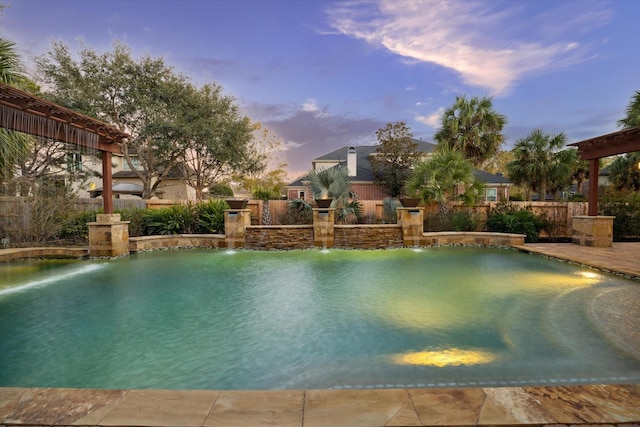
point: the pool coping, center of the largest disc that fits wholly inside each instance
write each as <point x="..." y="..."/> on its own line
<point x="563" y="405"/>
<point x="611" y="404"/>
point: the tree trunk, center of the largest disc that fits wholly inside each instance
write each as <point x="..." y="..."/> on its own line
<point x="266" y="213"/>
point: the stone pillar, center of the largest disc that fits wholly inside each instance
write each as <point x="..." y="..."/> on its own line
<point x="236" y="222"/>
<point x="323" y="227"/>
<point x="108" y="236"/>
<point x="596" y="231"/>
<point x="411" y="221"/>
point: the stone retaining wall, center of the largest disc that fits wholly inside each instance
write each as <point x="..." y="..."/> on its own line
<point x="147" y="243"/>
<point x="19" y="253"/>
<point x="367" y="236"/>
<point x="266" y="237"/>
<point x="471" y="238"/>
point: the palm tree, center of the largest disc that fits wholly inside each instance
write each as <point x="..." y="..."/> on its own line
<point x="624" y="172"/>
<point x="334" y="183"/>
<point x="473" y="127"/>
<point x="444" y="177"/>
<point x="13" y="145"/>
<point x="539" y="162"/>
<point x="265" y="194"/>
<point x="633" y="113"/>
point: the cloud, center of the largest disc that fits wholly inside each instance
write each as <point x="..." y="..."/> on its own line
<point x="476" y="39"/>
<point x="432" y="120"/>
<point x="307" y="131"/>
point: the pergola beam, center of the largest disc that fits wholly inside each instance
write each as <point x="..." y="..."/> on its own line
<point x="593" y="149"/>
<point x="23" y="112"/>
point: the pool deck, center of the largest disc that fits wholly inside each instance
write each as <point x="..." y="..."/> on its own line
<point x="509" y="405"/>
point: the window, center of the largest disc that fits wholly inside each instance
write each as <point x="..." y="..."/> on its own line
<point x="491" y="194"/>
<point x="301" y="195"/>
<point x="74" y="162"/>
<point x="134" y="160"/>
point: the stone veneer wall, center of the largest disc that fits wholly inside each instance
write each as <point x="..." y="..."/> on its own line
<point x="471" y="238"/>
<point x="147" y="243"/>
<point x="367" y="236"/>
<point x="266" y="237"/>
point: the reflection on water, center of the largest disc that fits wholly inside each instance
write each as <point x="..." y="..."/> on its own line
<point x="197" y="319"/>
<point x="446" y="357"/>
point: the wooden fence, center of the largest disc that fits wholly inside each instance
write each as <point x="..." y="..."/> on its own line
<point x="558" y="213"/>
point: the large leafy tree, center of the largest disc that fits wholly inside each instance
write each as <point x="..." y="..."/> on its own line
<point x="540" y="162"/>
<point x="473" y="127"/>
<point x="396" y="153"/>
<point x="632" y="118"/>
<point x="445" y="177"/>
<point x="164" y="114"/>
<point x="220" y="139"/>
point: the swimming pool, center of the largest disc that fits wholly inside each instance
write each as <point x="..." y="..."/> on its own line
<point x="197" y="319"/>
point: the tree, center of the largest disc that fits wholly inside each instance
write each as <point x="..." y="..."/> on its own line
<point x="445" y="177"/>
<point x="472" y="127"/>
<point x="220" y="139"/>
<point x="539" y="162"/>
<point x="333" y="183"/>
<point x="164" y="114"/>
<point x="632" y="118"/>
<point x="396" y="153"/>
<point x="14" y="146"/>
<point x="624" y="172"/>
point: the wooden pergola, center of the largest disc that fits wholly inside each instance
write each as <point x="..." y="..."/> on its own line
<point x="23" y="112"/>
<point x="593" y="149"/>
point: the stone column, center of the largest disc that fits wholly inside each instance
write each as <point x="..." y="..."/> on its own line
<point x="411" y="221"/>
<point x="236" y="222"/>
<point x="323" y="227"/>
<point x="596" y="231"/>
<point x="108" y="236"/>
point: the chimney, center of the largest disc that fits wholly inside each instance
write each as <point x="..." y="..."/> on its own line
<point x="352" y="163"/>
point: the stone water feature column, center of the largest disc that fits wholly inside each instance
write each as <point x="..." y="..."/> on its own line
<point x="236" y="222"/>
<point x="411" y="221"/>
<point x="323" y="227"/>
<point x="108" y="236"/>
<point x="596" y="231"/>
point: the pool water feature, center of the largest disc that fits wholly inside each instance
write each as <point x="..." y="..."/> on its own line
<point x="198" y="319"/>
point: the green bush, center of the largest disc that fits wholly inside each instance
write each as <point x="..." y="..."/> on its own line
<point x="135" y="217"/>
<point x="463" y="221"/>
<point x="75" y="225"/>
<point x="210" y="216"/>
<point x="176" y="219"/>
<point x="625" y="207"/>
<point x="505" y="218"/>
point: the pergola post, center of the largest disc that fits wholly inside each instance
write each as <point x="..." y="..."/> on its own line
<point x="593" y="187"/>
<point x="107" y="183"/>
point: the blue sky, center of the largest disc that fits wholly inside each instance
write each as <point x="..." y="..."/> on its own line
<point x="325" y="74"/>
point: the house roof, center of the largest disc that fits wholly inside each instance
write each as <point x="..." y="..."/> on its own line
<point x="123" y="188"/>
<point x="364" y="171"/>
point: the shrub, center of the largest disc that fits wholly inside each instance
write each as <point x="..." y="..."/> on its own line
<point x="505" y="218"/>
<point x="75" y="225"/>
<point x="210" y="216"/>
<point x="135" y="217"/>
<point x="463" y="221"/>
<point x="625" y="207"/>
<point x="175" y="219"/>
<point x="298" y="212"/>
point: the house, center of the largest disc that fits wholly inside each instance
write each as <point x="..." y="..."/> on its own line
<point x="356" y="159"/>
<point x="126" y="183"/>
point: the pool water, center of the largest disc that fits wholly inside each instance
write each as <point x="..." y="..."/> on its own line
<point x="198" y="319"/>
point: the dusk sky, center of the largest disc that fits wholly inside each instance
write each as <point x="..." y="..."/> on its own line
<point x="326" y="74"/>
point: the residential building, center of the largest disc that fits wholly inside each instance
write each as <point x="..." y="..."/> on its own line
<point x="356" y="160"/>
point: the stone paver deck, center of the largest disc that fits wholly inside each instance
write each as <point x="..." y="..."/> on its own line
<point x="592" y="404"/>
<point x="623" y="258"/>
<point x="574" y="405"/>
